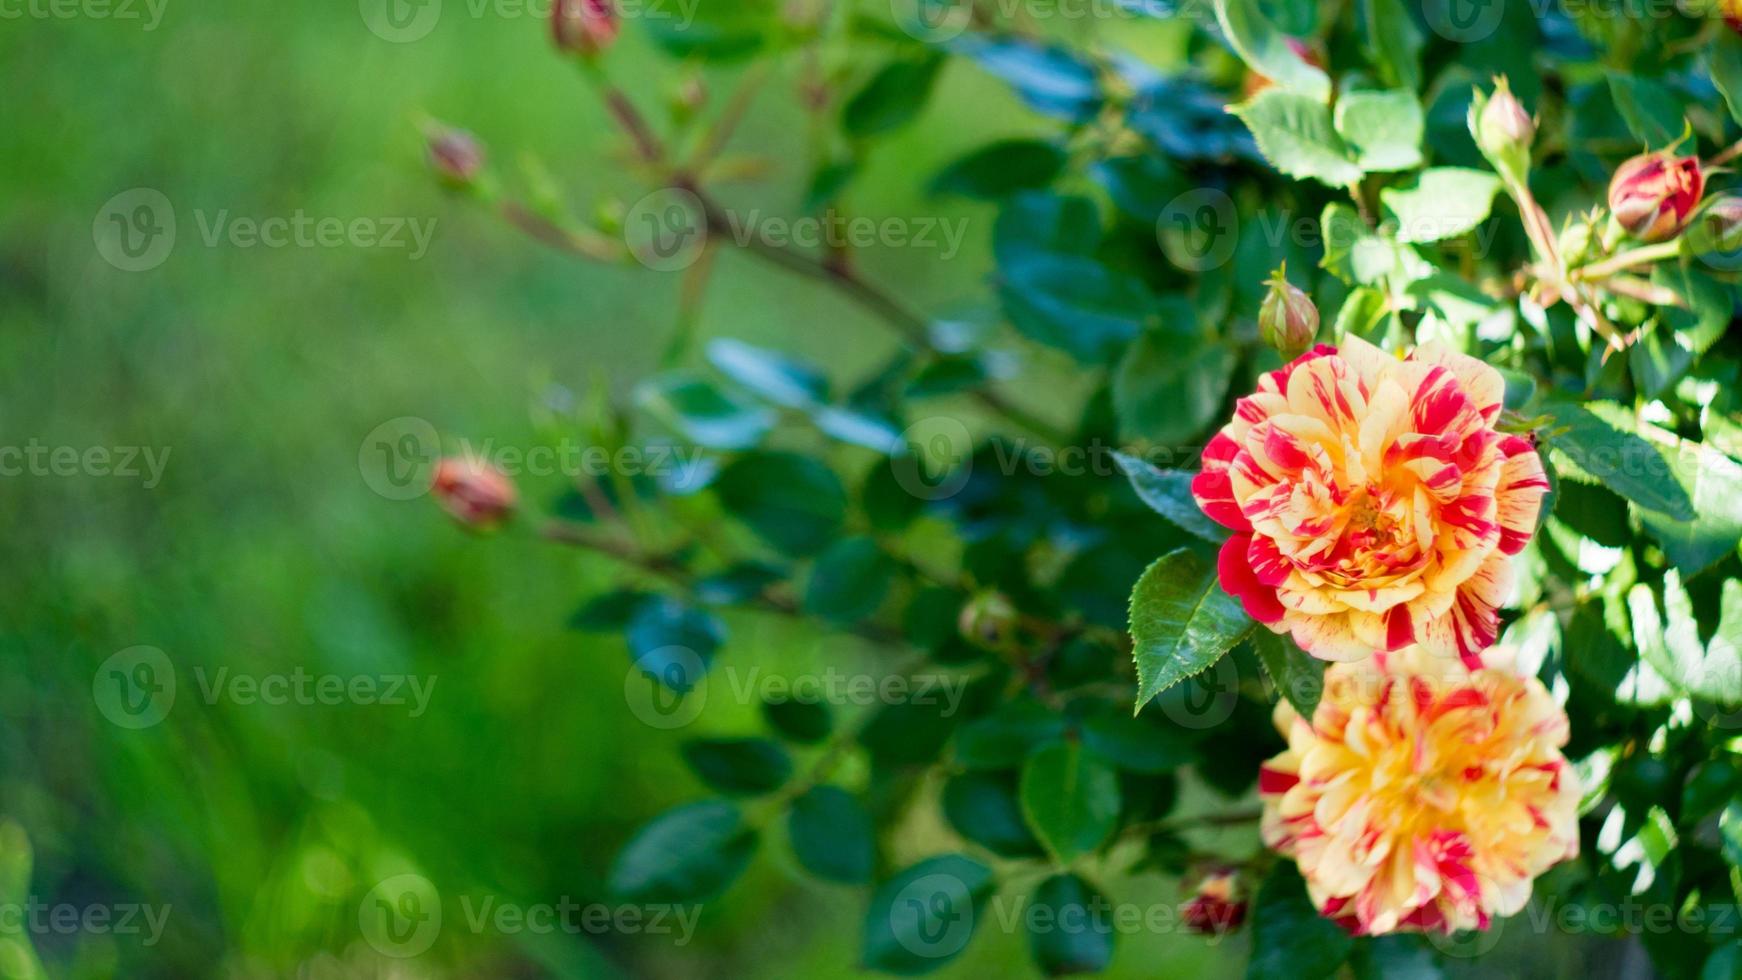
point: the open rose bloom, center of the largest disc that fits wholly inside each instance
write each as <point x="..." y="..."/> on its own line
<point x="1423" y="795"/>
<point x="1372" y="502"/>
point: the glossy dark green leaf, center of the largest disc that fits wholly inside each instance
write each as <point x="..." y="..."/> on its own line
<point x="702" y="412"/>
<point x="806" y="721"/>
<point x="925" y="916"/>
<point x="778" y="377"/>
<point x="674" y="642"/>
<point x="1070" y="798"/>
<point x="1133" y="744"/>
<point x="892" y="97"/>
<point x="1004" y="738"/>
<point x="849" y="581"/>
<point x="1289" y="936"/>
<point x="739" y="766"/>
<point x="1051" y="80"/>
<point x="983" y="807"/>
<point x="1622" y="461"/>
<point x="1070" y="927"/>
<point x="1299" y="676"/>
<point x="1169" y="493"/>
<point x="1074" y="303"/>
<point x="687" y="854"/>
<point x="1169" y="388"/>
<point x="1181" y="622"/>
<point x="1001" y="169"/>
<point x="741" y="582"/>
<point x="609" y="612"/>
<point x="832" y="835"/>
<point x="793" y="502"/>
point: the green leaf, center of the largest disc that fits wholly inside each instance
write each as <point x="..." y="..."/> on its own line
<point x="857" y="428"/>
<point x="1710" y="305"/>
<point x="793" y="502"/>
<point x="1392" y="43"/>
<point x="1134" y="745"/>
<point x="1299" y="676"/>
<point x="1169" y="493"/>
<point x="1383" y="130"/>
<point x="1004" y="738"/>
<point x="1712" y="672"/>
<point x="1074" y="303"/>
<point x="1399" y="956"/>
<point x="1069" y="927"/>
<point x="781" y="379"/>
<point x="1294" y="133"/>
<point x="1181" y="622"/>
<point x="892" y="97"/>
<point x="673" y="641"/>
<point x="1443" y="202"/>
<point x="806" y="722"/>
<point x="741" y="582"/>
<point x="1045" y="224"/>
<point x="1169" y="389"/>
<point x="1266" y="51"/>
<point x="686" y="854"/>
<point x="1652" y="112"/>
<point x="1713" y="783"/>
<point x="1001" y="169"/>
<point x="701" y="412"/>
<point x="984" y="809"/>
<point x="1623" y="461"/>
<point x="849" y="581"/>
<point x="1289" y="936"/>
<point x="608" y="613"/>
<point x="1725" y="57"/>
<point x="1357" y="255"/>
<point x="1070" y="798"/>
<point x="832" y="835"/>
<point x="924" y="916"/>
<point x="1713" y="481"/>
<point x="739" y="766"/>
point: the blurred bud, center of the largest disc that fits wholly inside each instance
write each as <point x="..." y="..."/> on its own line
<point x="1256" y="83"/>
<point x="989" y="620"/>
<point x="687" y="97"/>
<point x="583" y="27"/>
<point x="455" y="156"/>
<point x="1719" y="226"/>
<point x="477" y="494"/>
<point x="1504" y="127"/>
<point x="1654" y="194"/>
<point x="1217" y="904"/>
<point x="1576" y="241"/>
<point x="1288" y="320"/>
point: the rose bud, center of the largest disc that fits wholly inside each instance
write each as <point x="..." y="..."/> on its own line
<point x="1217" y="904"/>
<point x="475" y="493"/>
<point x="1256" y="83"/>
<point x="1504" y="127"/>
<point x="583" y="27"/>
<point x="455" y="156"/>
<point x="1654" y="194"/>
<point x="1287" y="320"/>
<point x="1719" y="227"/>
<point x="989" y="620"/>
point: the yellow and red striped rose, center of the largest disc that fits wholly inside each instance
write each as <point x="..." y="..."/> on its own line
<point x="1423" y="795"/>
<point x="1373" y="503"/>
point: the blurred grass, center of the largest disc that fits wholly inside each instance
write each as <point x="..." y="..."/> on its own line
<point x="260" y="371"/>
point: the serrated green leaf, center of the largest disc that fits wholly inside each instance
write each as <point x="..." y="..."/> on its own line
<point x="1169" y="493"/>
<point x="1442" y="203"/>
<point x="1382" y="130"/>
<point x="1265" y="50"/>
<point x="1181" y="622"/>
<point x="1299" y="676"/>
<point x="1623" y="461"/>
<point x="1295" y="134"/>
<point x="684" y="855"/>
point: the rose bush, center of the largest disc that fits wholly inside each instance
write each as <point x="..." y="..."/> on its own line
<point x="1518" y="428"/>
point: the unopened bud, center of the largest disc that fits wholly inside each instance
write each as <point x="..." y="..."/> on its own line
<point x="1287" y="320"/>
<point x="1504" y="127"/>
<point x="1719" y="227"/>
<point x="1217" y="904"/>
<point x="455" y="156"/>
<point x="1654" y="194"/>
<point x="475" y="493"/>
<point x="1576" y="241"/>
<point x="583" y="27"/>
<point x="687" y="97"/>
<point x="989" y="620"/>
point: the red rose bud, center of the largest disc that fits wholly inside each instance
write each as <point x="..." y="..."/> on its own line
<point x="1504" y="127"/>
<point x="477" y="494"/>
<point x="1287" y="320"/>
<point x="583" y="27"/>
<point x="455" y="156"/>
<point x="1217" y="906"/>
<point x="1654" y="194"/>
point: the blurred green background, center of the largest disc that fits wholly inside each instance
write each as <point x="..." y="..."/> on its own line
<point x="260" y="371"/>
